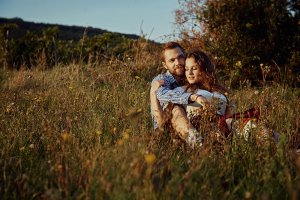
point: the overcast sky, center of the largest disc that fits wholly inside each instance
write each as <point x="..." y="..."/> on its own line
<point x="155" y="18"/>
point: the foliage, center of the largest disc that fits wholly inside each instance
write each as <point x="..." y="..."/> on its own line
<point x="44" y="46"/>
<point x="4" y="32"/>
<point x="244" y="34"/>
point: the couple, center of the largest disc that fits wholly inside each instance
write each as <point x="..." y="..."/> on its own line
<point x="188" y="87"/>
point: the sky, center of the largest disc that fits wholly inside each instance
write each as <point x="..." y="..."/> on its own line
<point x="153" y="18"/>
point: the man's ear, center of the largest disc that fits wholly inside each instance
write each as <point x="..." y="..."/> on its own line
<point x="164" y="64"/>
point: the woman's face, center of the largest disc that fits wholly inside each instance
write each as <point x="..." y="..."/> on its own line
<point x="192" y="71"/>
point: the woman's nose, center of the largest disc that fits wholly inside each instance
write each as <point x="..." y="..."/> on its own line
<point x="190" y="72"/>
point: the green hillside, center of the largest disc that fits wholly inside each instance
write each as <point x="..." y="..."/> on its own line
<point x="27" y="44"/>
<point x="65" y="32"/>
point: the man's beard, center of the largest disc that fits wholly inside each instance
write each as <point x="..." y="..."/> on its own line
<point x="181" y="69"/>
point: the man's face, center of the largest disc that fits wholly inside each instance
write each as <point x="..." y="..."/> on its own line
<point x="174" y="61"/>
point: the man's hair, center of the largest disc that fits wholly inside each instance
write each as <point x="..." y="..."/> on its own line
<point x="168" y="46"/>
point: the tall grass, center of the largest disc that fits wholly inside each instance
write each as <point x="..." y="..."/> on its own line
<point x="82" y="132"/>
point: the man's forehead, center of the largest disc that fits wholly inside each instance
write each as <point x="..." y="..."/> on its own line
<point x="173" y="52"/>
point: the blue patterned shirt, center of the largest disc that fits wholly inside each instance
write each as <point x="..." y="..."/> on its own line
<point x="166" y="93"/>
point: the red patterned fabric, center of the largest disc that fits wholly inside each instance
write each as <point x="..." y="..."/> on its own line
<point x="247" y="115"/>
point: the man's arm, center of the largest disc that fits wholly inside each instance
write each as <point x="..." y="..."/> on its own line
<point x="166" y="93"/>
<point x="156" y="108"/>
<point x="178" y="95"/>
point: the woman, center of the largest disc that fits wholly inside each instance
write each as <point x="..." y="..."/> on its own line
<point x="202" y="80"/>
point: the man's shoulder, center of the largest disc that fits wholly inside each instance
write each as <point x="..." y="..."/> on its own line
<point x="164" y="76"/>
<point x="160" y="76"/>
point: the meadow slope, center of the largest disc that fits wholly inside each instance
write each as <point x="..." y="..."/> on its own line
<point x="85" y="132"/>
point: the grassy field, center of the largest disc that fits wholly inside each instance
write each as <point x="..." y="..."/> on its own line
<point x="82" y="132"/>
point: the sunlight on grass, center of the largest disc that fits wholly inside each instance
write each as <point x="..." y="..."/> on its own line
<point x="86" y="133"/>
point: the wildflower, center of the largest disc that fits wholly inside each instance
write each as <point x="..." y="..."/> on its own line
<point x="22" y="148"/>
<point x="98" y="133"/>
<point x="139" y="110"/>
<point x="65" y="136"/>
<point x="150" y="158"/>
<point x="134" y="112"/>
<point x="256" y="92"/>
<point x="247" y="195"/>
<point x="249" y="25"/>
<point x="125" y="136"/>
<point x="9" y="108"/>
<point x="37" y="99"/>
<point x="114" y="130"/>
<point x="238" y="63"/>
<point x="267" y="69"/>
<point x="31" y="146"/>
<point x="120" y="142"/>
<point x="137" y="77"/>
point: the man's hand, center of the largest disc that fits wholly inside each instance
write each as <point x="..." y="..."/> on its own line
<point x="156" y="85"/>
<point x="200" y="100"/>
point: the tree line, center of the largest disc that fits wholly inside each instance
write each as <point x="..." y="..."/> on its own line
<point x="249" y="39"/>
<point x="24" y="44"/>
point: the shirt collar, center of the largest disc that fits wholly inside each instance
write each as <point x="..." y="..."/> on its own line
<point x="172" y="79"/>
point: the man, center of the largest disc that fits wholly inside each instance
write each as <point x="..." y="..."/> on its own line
<point x="173" y="59"/>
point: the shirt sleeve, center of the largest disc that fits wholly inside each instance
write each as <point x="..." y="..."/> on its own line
<point x="166" y="94"/>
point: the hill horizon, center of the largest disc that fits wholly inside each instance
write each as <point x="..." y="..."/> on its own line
<point x="66" y="32"/>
